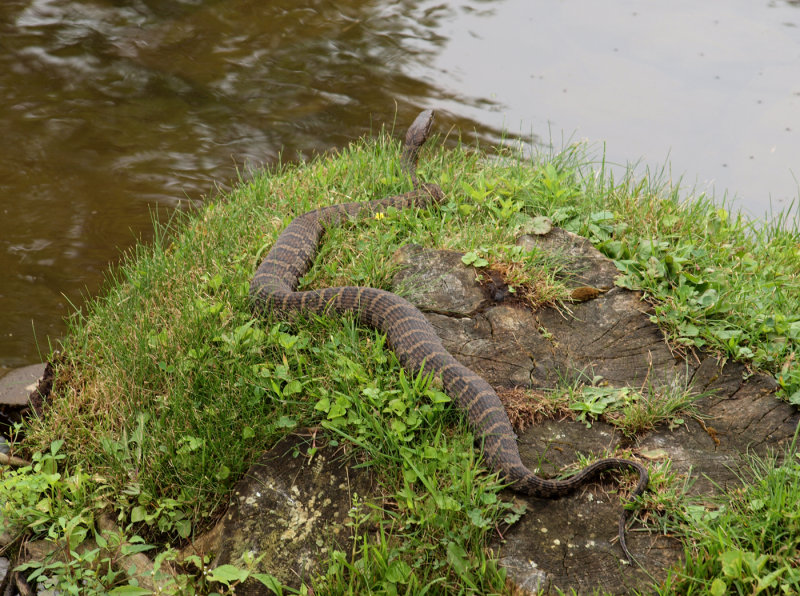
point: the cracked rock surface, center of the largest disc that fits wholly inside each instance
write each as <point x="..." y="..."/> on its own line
<point x="570" y="543"/>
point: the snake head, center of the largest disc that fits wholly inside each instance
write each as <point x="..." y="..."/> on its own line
<point x="420" y="129"/>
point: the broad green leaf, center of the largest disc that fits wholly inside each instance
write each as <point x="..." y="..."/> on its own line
<point x="731" y="561"/>
<point x="227" y="574"/>
<point x="223" y="472"/>
<point x="541" y="225"/>
<point x="718" y="587"/>
<point x="398" y="572"/>
<point x="457" y="557"/>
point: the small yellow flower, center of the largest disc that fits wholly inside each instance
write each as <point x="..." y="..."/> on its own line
<point x="380" y="215"/>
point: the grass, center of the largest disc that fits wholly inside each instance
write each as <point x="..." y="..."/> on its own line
<point x="169" y="353"/>
<point x="632" y="411"/>
<point x="748" y="542"/>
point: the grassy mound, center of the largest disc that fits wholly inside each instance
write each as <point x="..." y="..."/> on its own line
<point x="168" y="390"/>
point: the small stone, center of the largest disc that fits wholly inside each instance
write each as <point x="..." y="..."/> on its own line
<point x="17" y="385"/>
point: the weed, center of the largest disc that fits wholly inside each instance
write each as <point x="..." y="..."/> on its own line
<point x="84" y="556"/>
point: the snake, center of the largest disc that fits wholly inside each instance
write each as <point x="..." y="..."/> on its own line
<point x="273" y="289"/>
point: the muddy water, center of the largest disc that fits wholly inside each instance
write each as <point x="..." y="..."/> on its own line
<point x="112" y="110"/>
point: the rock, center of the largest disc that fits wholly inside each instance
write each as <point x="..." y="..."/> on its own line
<point x="569" y="543"/>
<point x="4" y="567"/>
<point x="17" y="385"/>
<point x="22" y="390"/>
<point x="583" y="264"/>
<point x="441" y="284"/>
<point x="290" y="508"/>
<point x="511" y="346"/>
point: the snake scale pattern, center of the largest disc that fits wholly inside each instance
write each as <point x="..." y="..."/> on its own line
<point x="409" y="334"/>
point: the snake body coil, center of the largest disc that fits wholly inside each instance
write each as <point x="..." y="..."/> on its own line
<point x="409" y="333"/>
